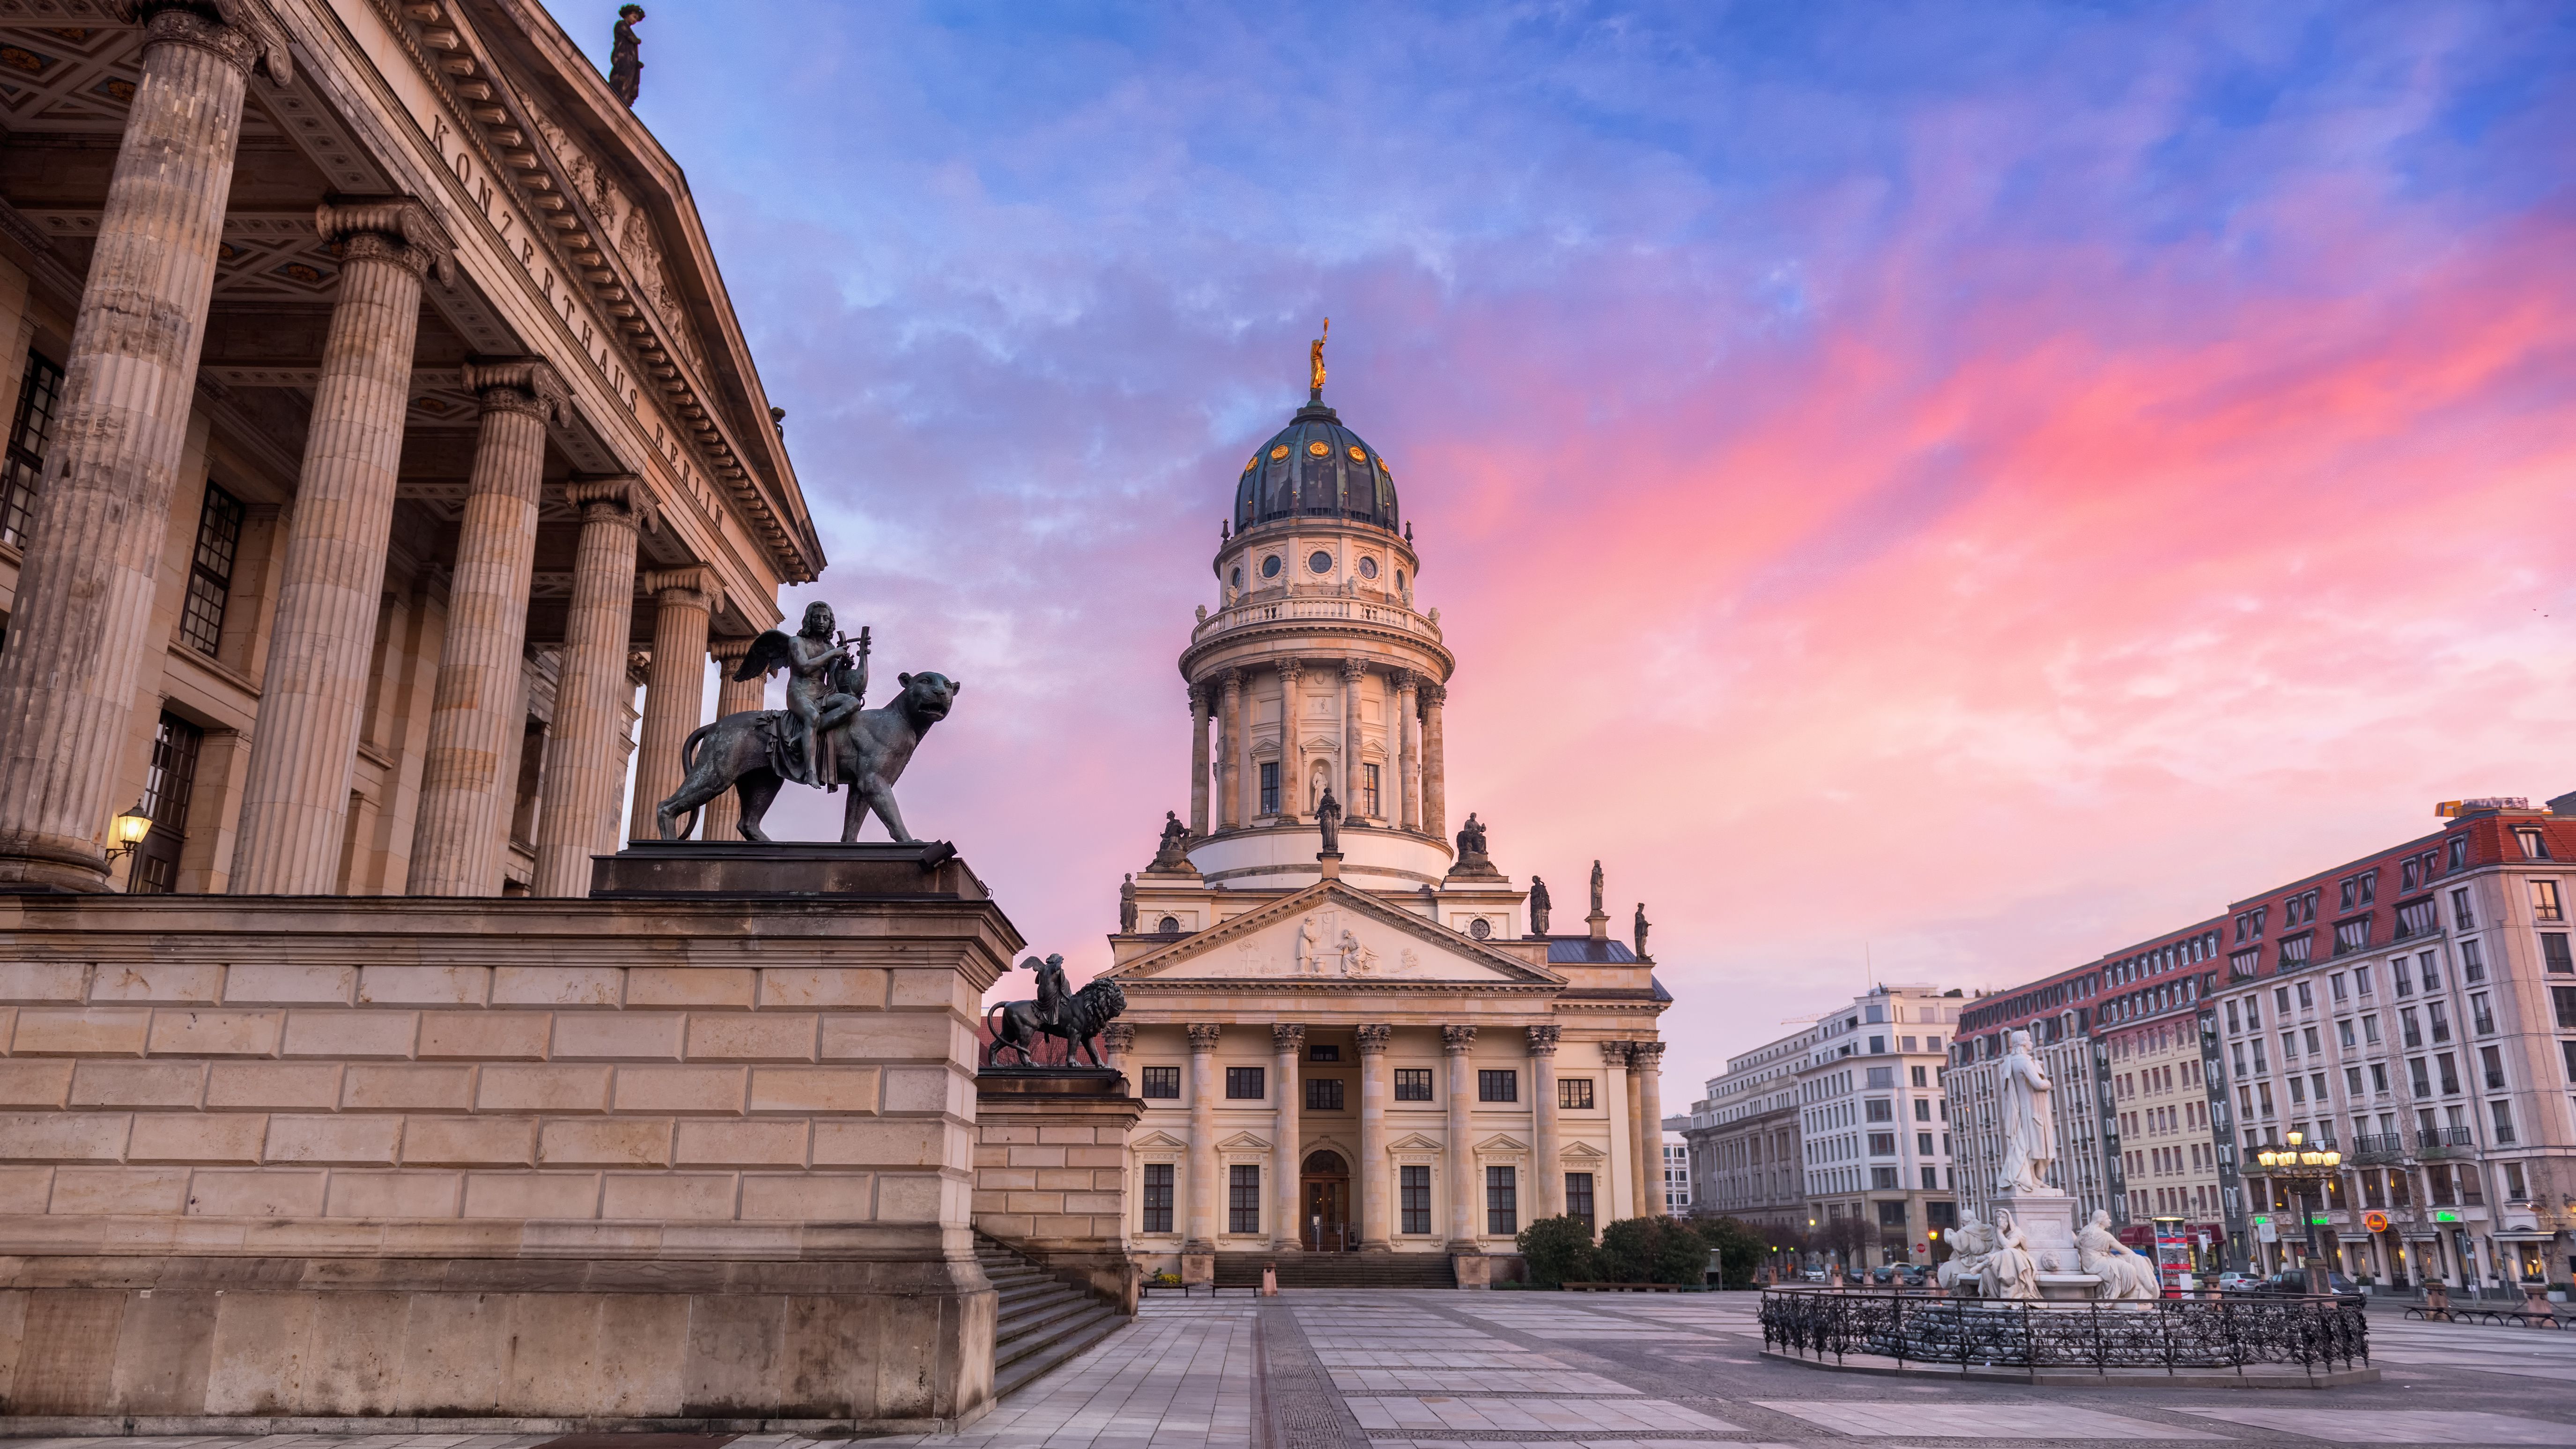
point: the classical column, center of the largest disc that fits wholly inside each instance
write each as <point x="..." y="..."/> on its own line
<point x="1352" y="671"/>
<point x="312" y="700"/>
<point x="733" y="696"/>
<point x="1458" y="1152"/>
<point x="1287" y="1221"/>
<point x="476" y="711"/>
<point x="1292" y="753"/>
<point x="1614" y="1057"/>
<point x="1203" y="1186"/>
<point x="1645" y="1105"/>
<point x="1231" y="808"/>
<point x="1198" y="759"/>
<point x="1547" y="1189"/>
<point x="675" y="692"/>
<point x="81" y="627"/>
<point x="1371" y="1169"/>
<point x="1408" y="750"/>
<point x="1435" y="789"/>
<point x="1117" y="1039"/>
<point x="585" y="771"/>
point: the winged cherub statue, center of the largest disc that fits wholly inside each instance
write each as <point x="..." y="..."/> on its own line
<point x="825" y="685"/>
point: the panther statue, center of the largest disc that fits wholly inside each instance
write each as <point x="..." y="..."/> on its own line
<point x="870" y="749"/>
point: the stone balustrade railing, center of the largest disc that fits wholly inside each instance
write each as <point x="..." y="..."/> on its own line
<point x="1337" y="607"/>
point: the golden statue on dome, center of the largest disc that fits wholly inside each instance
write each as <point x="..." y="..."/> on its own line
<point x="1315" y="359"/>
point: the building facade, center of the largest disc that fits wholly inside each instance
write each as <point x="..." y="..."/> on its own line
<point x="1358" y="1034"/>
<point x="1677" y="1175"/>
<point x="1745" y="1149"/>
<point x="445" y="439"/>
<point x="2058" y="1012"/>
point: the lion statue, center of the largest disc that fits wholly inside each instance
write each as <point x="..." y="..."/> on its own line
<point x="870" y="748"/>
<point x="1078" y="1023"/>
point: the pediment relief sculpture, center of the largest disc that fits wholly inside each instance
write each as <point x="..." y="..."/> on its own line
<point x="626" y="227"/>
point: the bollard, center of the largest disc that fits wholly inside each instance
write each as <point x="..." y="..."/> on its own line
<point x="1269" y="1280"/>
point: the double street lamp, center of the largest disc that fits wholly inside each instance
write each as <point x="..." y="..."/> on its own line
<point x="2304" y="1167"/>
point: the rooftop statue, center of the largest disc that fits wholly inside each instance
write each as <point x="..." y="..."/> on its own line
<point x="1538" y="906"/>
<point x="1596" y="888"/>
<point x="1173" y="851"/>
<point x="822" y="738"/>
<point x="1642" y="924"/>
<point x="1328" y="814"/>
<point x="626" y="57"/>
<point x="1315" y="358"/>
<point x="1471" y="839"/>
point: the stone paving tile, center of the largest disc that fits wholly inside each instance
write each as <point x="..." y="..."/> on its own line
<point x="2394" y="1426"/>
<point x="1473" y="1381"/>
<point x="1529" y="1415"/>
<point x="1919" y="1419"/>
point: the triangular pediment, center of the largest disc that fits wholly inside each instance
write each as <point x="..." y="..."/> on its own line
<point x="1159" y="1140"/>
<point x="1332" y="935"/>
<point x="1500" y="1142"/>
<point x="1582" y="1150"/>
<point x="1413" y="1142"/>
<point x="1244" y="1142"/>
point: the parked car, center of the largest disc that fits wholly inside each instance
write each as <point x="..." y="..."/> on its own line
<point x="2233" y="1282"/>
<point x="1884" y="1275"/>
<point x="2295" y="1284"/>
<point x="1814" y="1275"/>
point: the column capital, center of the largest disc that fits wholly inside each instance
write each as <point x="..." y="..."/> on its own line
<point x="612" y="497"/>
<point x="670" y="586"/>
<point x="1373" y="1039"/>
<point x="1432" y="695"/>
<point x="527" y="385"/>
<point x="1406" y="681"/>
<point x="397" y="229"/>
<point x="245" y="35"/>
<point x="1291" y="670"/>
<point x="1456" y="1040"/>
<point x="1287" y="1036"/>
<point x="1352" y="670"/>
<point x="729" y="650"/>
<point x="1615" y="1053"/>
<point x="1198" y="698"/>
<point x="1542" y="1040"/>
<point x="1118" y="1037"/>
<point x="1645" y="1056"/>
<point x="1203" y="1036"/>
<point x="1233" y="681"/>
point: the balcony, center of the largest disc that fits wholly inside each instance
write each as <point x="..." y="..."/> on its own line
<point x="1323" y="608"/>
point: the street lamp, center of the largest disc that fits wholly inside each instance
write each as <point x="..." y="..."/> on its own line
<point x="129" y="830"/>
<point x="2303" y="1167"/>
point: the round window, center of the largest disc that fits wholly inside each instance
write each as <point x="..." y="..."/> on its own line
<point x="1357" y="456"/>
<point x="1254" y="463"/>
<point x="1168" y="926"/>
<point x="1368" y="568"/>
<point x="1270" y="567"/>
<point x="1279" y="452"/>
<point x="1319" y="449"/>
<point x="1238" y="576"/>
<point x="1320" y="561"/>
<point x="1480" y="928"/>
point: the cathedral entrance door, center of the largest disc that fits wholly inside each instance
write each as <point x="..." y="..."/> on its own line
<point x="1326" y="1181"/>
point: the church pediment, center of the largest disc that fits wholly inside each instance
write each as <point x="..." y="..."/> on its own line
<point x="1501" y="1142"/>
<point x="1582" y="1151"/>
<point x="1414" y="1142"/>
<point x="1159" y="1141"/>
<point x="1244" y="1142"/>
<point x="1330" y="934"/>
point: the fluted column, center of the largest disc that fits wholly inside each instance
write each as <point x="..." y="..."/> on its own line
<point x="1645" y="1066"/>
<point x="733" y="696"/>
<point x="1231" y="809"/>
<point x="1287" y="1219"/>
<point x="1292" y="751"/>
<point x="1371" y="1169"/>
<point x="1203" y="1186"/>
<point x="1435" y="789"/>
<point x="1614" y="1058"/>
<point x="475" y="712"/>
<point x="674" y="693"/>
<point x="295" y="794"/>
<point x="1352" y="671"/>
<point x="1117" y="1041"/>
<point x="81" y="626"/>
<point x="1547" y="1191"/>
<point x="1198" y="759"/>
<point x="1408" y="749"/>
<point x="1458" y="1152"/>
<point x="585" y="772"/>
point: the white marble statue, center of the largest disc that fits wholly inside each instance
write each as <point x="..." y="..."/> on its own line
<point x="1310" y="952"/>
<point x="2011" y="1272"/>
<point x="2030" y="1135"/>
<point x="2124" y="1273"/>
<point x="1970" y="1242"/>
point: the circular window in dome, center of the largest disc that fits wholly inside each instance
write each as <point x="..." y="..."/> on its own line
<point x="1480" y="928"/>
<point x="1320" y="561"/>
<point x="1279" y="452"/>
<point x="1319" y="449"/>
<point x="1253" y="463"/>
<point x="1357" y="456"/>
<point x="1368" y="568"/>
<point x="1270" y="567"/>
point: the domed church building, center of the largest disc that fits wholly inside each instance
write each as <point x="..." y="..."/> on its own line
<point x="1353" y="1032"/>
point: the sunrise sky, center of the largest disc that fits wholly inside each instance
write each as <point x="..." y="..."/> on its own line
<point x="1947" y="489"/>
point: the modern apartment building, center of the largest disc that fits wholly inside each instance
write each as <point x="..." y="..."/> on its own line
<point x="1677" y="1179"/>
<point x="1876" y="1122"/>
<point x="1742" y="1137"/>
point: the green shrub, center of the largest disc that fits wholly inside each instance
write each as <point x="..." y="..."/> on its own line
<point x="1653" y="1250"/>
<point x="1740" y="1249"/>
<point x="1559" y="1251"/>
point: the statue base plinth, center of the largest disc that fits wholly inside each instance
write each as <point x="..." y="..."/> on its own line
<point x="1475" y="867"/>
<point x="783" y="870"/>
<point x="2047" y="1224"/>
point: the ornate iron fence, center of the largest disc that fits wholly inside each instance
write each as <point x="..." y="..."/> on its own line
<point x="2313" y="1334"/>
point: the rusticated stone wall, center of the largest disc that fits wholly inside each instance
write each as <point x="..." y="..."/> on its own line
<point x="551" y="1162"/>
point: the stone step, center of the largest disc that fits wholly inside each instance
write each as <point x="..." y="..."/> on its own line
<point x="1060" y="1342"/>
<point x="1013" y="1327"/>
<point x="1338" y="1270"/>
<point x="1042" y="1320"/>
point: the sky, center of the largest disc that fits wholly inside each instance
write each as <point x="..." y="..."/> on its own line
<point x="1925" y="493"/>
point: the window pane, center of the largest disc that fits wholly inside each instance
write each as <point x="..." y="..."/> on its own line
<point x="1243" y="1210"/>
<point x="1158" y="1197"/>
<point x="1415" y="1183"/>
<point x="1502" y="1201"/>
<point x="1163" y="1082"/>
<point x="1245" y="1083"/>
<point x="1502" y="1086"/>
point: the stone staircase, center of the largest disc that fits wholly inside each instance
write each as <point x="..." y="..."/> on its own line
<point x="1043" y="1319"/>
<point x="1338" y="1270"/>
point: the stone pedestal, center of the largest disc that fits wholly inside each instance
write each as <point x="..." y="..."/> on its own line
<point x="1474" y="1270"/>
<point x="2047" y="1226"/>
<point x="681" y="1159"/>
<point x="1051" y="1171"/>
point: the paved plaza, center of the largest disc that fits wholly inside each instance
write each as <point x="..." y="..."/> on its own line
<point x="1447" y="1370"/>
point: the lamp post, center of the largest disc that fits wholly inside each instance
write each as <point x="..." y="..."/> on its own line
<point x="2304" y="1167"/>
<point x="129" y="829"/>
